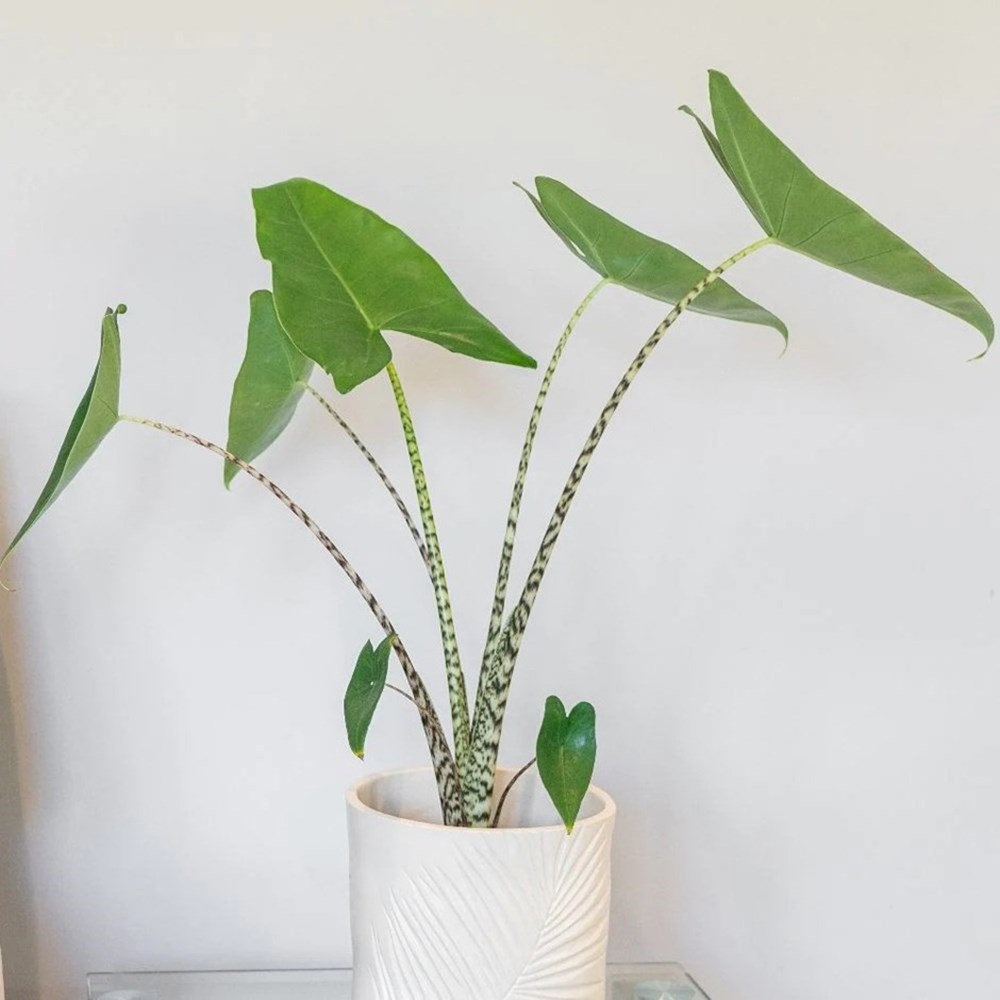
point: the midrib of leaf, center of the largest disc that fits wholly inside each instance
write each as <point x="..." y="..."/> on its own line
<point x="746" y="173"/>
<point x="329" y="263"/>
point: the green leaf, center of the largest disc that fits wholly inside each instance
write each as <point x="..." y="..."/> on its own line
<point x="364" y="691"/>
<point x="803" y="213"/>
<point x="342" y="275"/>
<point x="268" y="386"/>
<point x="93" y="419"/>
<point x="637" y="261"/>
<point x="566" y="750"/>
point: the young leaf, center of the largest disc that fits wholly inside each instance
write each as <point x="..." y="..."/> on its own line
<point x="343" y="275"/>
<point x="96" y="414"/>
<point x="803" y="213"/>
<point x="268" y="386"/>
<point x="630" y="258"/>
<point x="566" y="750"/>
<point x="364" y="691"/>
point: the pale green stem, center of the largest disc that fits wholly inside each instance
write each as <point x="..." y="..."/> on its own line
<point x="449" y="785"/>
<point x="380" y="472"/>
<point x="452" y="661"/>
<point x="494" y="687"/>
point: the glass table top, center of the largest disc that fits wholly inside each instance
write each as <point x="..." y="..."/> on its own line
<point x="625" y="982"/>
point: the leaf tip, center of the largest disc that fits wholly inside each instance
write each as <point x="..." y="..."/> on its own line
<point x="360" y="754"/>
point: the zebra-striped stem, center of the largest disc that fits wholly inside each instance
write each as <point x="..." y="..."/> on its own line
<point x="380" y="472"/>
<point x="449" y="786"/>
<point x="452" y="661"/>
<point x="514" y="511"/>
<point x="494" y="687"/>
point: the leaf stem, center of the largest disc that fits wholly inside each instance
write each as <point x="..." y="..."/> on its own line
<point x="495" y="822"/>
<point x="514" y="511"/>
<point x="449" y="786"/>
<point x="494" y="686"/>
<point x="380" y="472"/>
<point x="413" y="701"/>
<point x="453" y="666"/>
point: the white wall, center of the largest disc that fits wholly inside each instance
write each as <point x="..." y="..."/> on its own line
<point x="778" y="583"/>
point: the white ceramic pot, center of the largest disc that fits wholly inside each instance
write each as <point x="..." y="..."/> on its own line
<point x="444" y="913"/>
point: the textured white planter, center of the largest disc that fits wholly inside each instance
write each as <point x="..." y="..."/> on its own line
<point x="440" y="913"/>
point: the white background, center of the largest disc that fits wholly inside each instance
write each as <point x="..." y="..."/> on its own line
<point x="778" y="582"/>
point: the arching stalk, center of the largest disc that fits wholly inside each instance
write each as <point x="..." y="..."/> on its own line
<point x="494" y="686"/>
<point x="449" y="786"/>
<point x="452" y="661"/>
<point x="514" y="511"/>
<point x="380" y="472"/>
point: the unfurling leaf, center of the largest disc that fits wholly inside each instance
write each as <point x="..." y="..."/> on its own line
<point x="800" y="211"/>
<point x="636" y="261"/>
<point x="93" y="419"/>
<point x="268" y="386"/>
<point x="364" y="691"/>
<point x="342" y="275"/>
<point x="566" y="750"/>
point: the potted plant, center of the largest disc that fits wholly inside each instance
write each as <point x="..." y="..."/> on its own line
<point x="466" y="881"/>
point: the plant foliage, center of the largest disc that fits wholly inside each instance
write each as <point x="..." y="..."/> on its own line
<point x="342" y="277"/>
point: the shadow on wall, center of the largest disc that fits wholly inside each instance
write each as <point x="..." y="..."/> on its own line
<point x="17" y="932"/>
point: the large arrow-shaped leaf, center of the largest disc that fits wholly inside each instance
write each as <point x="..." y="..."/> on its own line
<point x="342" y="275"/>
<point x="630" y="258"/>
<point x="268" y="386"/>
<point x="93" y="419"/>
<point x="803" y="213"/>
<point x="566" y="750"/>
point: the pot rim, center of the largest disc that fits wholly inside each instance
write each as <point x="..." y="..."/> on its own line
<point x="605" y="813"/>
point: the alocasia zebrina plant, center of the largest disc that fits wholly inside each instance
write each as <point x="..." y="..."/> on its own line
<point x="342" y="277"/>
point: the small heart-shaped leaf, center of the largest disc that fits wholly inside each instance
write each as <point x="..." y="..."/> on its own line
<point x="800" y="211"/>
<point x="268" y="386"/>
<point x="566" y="750"/>
<point x="342" y="275"/>
<point x="364" y="691"/>
<point x="96" y="414"/>
<point x="637" y="261"/>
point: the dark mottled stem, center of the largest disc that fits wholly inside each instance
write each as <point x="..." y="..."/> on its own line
<point x="381" y="473"/>
<point x="452" y="661"/>
<point x="495" y="822"/>
<point x="494" y="687"/>
<point x="413" y="701"/>
<point x="449" y="787"/>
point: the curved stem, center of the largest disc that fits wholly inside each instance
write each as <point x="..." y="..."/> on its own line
<point x="452" y="661"/>
<point x="495" y="822"/>
<point x="494" y="686"/>
<point x="449" y="787"/>
<point x="514" y="511"/>
<point x="380" y="472"/>
<point x="413" y="701"/>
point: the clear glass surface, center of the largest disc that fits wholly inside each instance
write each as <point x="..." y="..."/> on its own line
<point x="625" y="982"/>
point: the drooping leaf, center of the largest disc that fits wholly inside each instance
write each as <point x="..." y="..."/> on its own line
<point x="268" y="386"/>
<point x="343" y="275"/>
<point x="566" y="750"/>
<point x="637" y="261"/>
<point x="803" y="213"/>
<point x="364" y="691"/>
<point x="96" y="414"/>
